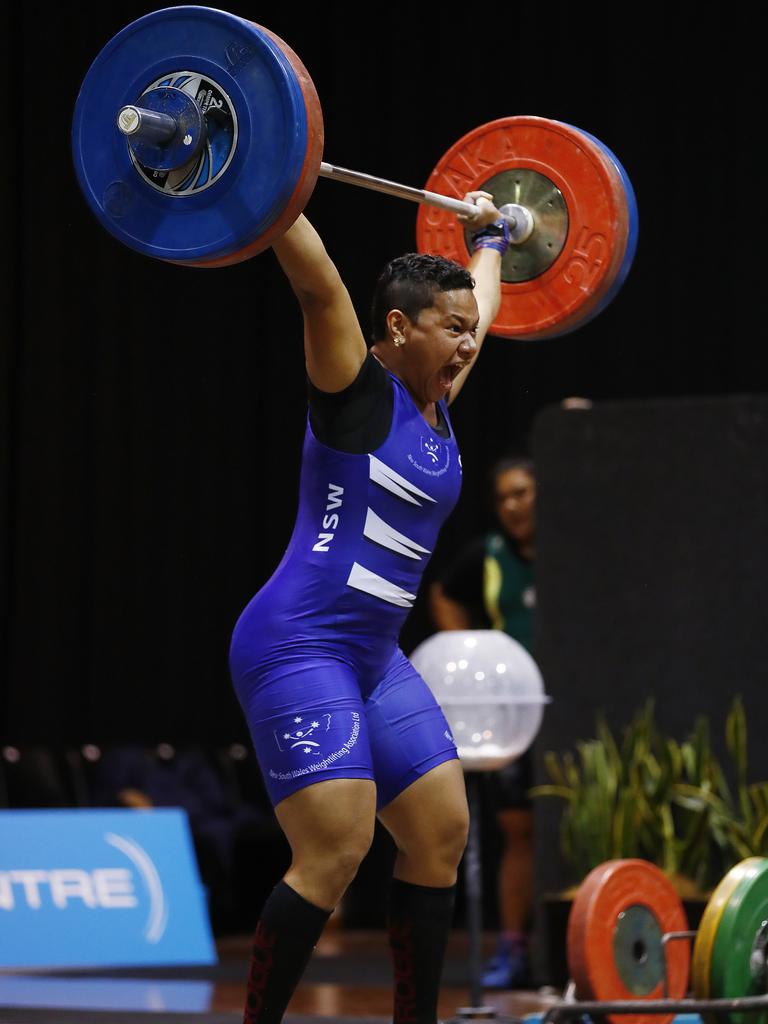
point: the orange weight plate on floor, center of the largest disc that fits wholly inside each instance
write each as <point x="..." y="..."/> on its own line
<point x="615" y="929"/>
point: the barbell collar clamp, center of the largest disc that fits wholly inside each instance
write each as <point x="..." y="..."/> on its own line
<point x="167" y="131"/>
<point x="520" y="220"/>
<point x="151" y="126"/>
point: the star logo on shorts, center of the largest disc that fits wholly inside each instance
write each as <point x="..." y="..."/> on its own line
<point x="305" y="737"/>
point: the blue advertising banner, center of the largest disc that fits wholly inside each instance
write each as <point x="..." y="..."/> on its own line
<point x="85" y="888"/>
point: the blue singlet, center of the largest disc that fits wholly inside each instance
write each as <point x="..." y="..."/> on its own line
<point x="315" y="661"/>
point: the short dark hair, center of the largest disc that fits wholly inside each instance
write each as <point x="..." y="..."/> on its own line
<point x="507" y="462"/>
<point x="409" y="283"/>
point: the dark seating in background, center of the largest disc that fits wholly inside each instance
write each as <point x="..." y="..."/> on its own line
<point x="240" y="769"/>
<point x="240" y="850"/>
<point x="35" y="777"/>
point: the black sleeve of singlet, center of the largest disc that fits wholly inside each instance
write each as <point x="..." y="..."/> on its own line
<point x="356" y="420"/>
<point x="462" y="580"/>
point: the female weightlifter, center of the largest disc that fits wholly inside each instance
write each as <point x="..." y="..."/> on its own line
<point x="343" y="726"/>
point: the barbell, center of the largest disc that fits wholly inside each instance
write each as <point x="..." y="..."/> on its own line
<point x="197" y="139"/>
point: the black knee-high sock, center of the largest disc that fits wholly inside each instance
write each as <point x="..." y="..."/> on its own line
<point x="287" y="932"/>
<point x="419" y="921"/>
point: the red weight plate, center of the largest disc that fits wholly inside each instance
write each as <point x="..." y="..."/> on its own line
<point x="621" y="911"/>
<point x="310" y="171"/>
<point x="558" y="299"/>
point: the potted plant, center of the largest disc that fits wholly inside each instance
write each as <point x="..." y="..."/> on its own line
<point x="647" y="795"/>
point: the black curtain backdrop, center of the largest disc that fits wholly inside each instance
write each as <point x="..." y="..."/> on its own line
<point x="152" y="415"/>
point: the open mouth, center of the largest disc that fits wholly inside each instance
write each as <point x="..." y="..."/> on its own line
<point x="449" y="373"/>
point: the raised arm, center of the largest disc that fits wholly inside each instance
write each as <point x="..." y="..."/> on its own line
<point x="334" y="346"/>
<point x="485" y="267"/>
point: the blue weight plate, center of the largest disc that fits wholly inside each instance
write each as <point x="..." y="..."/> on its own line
<point x="631" y="244"/>
<point x="634" y="226"/>
<point x="258" y="135"/>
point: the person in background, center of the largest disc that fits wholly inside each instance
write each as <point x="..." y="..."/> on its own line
<point x="490" y="584"/>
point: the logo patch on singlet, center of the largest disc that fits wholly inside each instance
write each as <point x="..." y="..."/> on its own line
<point x="433" y="456"/>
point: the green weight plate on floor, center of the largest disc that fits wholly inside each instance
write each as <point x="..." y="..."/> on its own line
<point x="701" y="960"/>
<point x="738" y="966"/>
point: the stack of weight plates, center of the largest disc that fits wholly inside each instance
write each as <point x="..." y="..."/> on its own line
<point x="729" y="956"/>
<point x="257" y="167"/>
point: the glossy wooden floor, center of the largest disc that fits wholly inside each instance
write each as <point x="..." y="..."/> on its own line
<point x="349" y="977"/>
<point x="371" y="994"/>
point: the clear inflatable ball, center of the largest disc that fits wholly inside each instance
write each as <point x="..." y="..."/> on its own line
<point x="490" y="690"/>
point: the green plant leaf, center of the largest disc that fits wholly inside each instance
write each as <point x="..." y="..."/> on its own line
<point x="736" y="739"/>
<point x="553" y="768"/>
<point x="546" y="789"/>
<point x="605" y="736"/>
<point x="570" y="770"/>
<point x="758" y="794"/>
<point x="650" y="796"/>
<point x="760" y="837"/>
